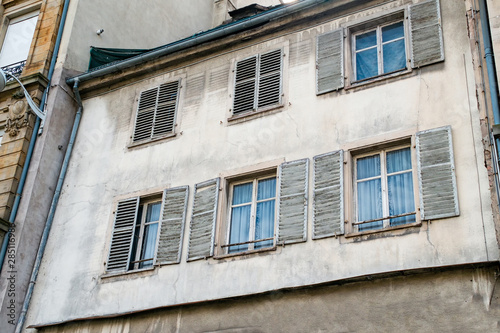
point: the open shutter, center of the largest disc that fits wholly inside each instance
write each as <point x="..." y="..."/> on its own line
<point x="172" y="225"/>
<point x="292" y="209"/>
<point x="164" y="121"/>
<point x="123" y="234"/>
<point x="328" y="202"/>
<point x="145" y="114"/>
<point x="270" y="78"/>
<point x="426" y="33"/>
<point x="245" y="85"/>
<point x="436" y="174"/>
<point x="330" y="61"/>
<point x="201" y="235"/>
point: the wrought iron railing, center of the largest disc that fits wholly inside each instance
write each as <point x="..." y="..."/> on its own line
<point x="14" y="69"/>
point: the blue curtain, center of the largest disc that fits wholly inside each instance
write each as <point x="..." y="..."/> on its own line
<point x="369" y="192"/>
<point x="393" y="51"/>
<point x="367" y="59"/>
<point x="264" y="221"/>
<point x="240" y="216"/>
<point x="150" y="233"/>
<point x="400" y="186"/>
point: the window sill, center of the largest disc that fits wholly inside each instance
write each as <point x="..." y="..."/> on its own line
<point x="139" y="272"/>
<point x="378" y="78"/>
<point x="248" y="115"/>
<point x="377" y="231"/>
<point x="151" y="141"/>
<point x="231" y="255"/>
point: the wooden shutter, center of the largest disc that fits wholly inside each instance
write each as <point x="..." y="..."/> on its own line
<point x="164" y="121"/>
<point x="328" y="199"/>
<point x="436" y="174"/>
<point x="270" y="70"/>
<point x="292" y="209"/>
<point x="172" y="225"/>
<point x="426" y="33"/>
<point x="330" y="61"/>
<point x="123" y="234"/>
<point x="202" y="228"/>
<point x="245" y="85"/>
<point x="145" y="114"/>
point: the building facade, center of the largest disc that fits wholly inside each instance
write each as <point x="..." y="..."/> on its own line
<point x="319" y="166"/>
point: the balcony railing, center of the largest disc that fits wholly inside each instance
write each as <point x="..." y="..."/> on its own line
<point x="14" y="69"/>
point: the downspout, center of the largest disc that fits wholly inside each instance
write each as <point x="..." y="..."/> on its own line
<point x="50" y="218"/>
<point x="34" y="136"/>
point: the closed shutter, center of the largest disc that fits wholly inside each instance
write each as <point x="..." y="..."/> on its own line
<point x="426" y="33"/>
<point x="328" y="201"/>
<point x="436" y="174"/>
<point x="292" y="209"/>
<point x="145" y="114"/>
<point x="245" y="85"/>
<point x="123" y="234"/>
<point x="202" y="228"/>
<point x="172" y="225"/>
<point x="330" y="61"/>
<point x="270" y="79"/>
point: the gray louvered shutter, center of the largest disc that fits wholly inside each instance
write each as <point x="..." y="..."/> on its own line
<point x="270" y="69"/>
<point x="426" y="33"/>
<point x="145" y="114"/>
<point x="202" y="228"/>
<point x="330" y="61"/>
<point x="245" y="85"/>
<point x="328" y="199"/>
<point x="172" y="225"/>
<point x="123" y="234"/>
<point x="164" y="121"/>
<point x="292" y="209"/>
<point x="436" y="174"/>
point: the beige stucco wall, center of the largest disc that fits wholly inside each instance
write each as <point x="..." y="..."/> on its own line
<point x="103" y="169"/>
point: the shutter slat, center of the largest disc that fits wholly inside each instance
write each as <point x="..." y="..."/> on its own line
<point x="202" y="227"/>
<point x="330" y="61"/>
<point x="292" y="209"/>
<point x="426" y="33"/>
<point x="123" y="233"/>
<point x="328" y="201"/>
<point x="172" y="225"/>
<point x="436" y="174"/>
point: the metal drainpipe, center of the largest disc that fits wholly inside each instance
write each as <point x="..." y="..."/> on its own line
<point x="50" y="217"/>
<point x="34" y="136"/>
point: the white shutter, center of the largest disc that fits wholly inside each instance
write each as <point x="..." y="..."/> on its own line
<point x="328" y="199"/>
<point x="202" y="228"/>
<point x="164" y="122"/>
<point x="292" y="209"/>
<point x="330" y="61"/>
<point x="245" y="85"/>
<point x="145" y="114"/>
<point x="426" y="33"/>
<point x="123" y="234"/>
<point x="436" y="174"/>
<point x="172" y="225"/>
<point x="270" y="78"/>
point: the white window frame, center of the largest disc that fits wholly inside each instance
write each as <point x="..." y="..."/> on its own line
<point x="14" y="18"/>
<point x="382" y="152"/>
<point x="253" y="209"/>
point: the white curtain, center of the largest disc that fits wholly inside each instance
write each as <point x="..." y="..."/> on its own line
<point x="150" y="233"/>
<point x="400" y="186"/>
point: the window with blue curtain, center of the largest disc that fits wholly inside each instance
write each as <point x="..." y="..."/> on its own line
<point x="384" y="189"/>
<point x="252" y="214"/>
<point x="146" y="232"/>
<point x="379" y="51"/>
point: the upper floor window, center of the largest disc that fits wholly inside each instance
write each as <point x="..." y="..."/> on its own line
<point x="156" y="112"/>
<point x="258" y="82"/>
<point x="17" y="41"/>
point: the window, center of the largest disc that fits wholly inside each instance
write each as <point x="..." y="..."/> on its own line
<point x="146" y="231"/>
<point x="252" y="210"/>
<point x="17" y="41"/>
<point x="156" y="112"/>
<point x="384" y="189"/>
<point x="258" y="82"/>
<point x="379" y="51"/>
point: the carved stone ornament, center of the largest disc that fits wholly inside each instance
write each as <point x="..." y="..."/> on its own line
<point x="17" y="118"/>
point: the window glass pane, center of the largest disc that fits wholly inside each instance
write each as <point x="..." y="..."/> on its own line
<point x="148" y="246"/>
<point x="393" y="31"/>
<point x="153" y="212"/>
<point x="394" y="56"/>
<point x="366" y="64"/>
<point x="401" y="201"/>
<point x="264" y="223"/>
<point x="369" y="203"/>
<point x="368" y="166"/>
<point x="366" y="40"/>
<point x="242" y="193"/>
<point x="17" y="41"/>
<point x="398" y="160"/>
<point x="240" y="228"/>
<point x="266" y="189"/>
